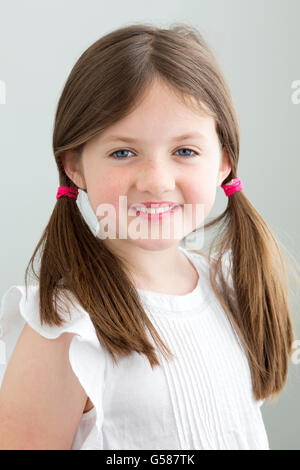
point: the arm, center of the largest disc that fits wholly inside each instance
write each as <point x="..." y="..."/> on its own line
<point x="41" y="399"/>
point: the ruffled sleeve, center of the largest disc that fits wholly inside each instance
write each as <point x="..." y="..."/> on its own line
<point x="86" y="355"/>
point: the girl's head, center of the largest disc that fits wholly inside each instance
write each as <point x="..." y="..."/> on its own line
<point x="142" y="84"/>
<point x="152" y="85"/>
<point x="158" y="165"/>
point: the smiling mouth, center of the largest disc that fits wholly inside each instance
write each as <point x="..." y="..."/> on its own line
<point x="152" y="213"/>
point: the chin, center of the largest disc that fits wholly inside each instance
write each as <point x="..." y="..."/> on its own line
<point x="155" y="245"/>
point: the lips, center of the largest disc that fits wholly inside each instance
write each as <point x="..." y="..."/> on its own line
<point x="153" y="204"/>
<point x="157" y="215"/>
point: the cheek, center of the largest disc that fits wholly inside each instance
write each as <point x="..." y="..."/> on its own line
<point x="106" y="189"/>
<point x="200" y="191"/>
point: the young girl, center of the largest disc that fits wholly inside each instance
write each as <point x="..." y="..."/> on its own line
<point x="142" y="343"/>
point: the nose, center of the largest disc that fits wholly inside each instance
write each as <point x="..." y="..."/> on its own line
<point x="155" y="177"/>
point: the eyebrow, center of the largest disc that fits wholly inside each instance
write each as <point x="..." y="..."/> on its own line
<point x="174" y="139"/>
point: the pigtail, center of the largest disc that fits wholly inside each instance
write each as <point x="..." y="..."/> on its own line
<point x="257" y="304"/>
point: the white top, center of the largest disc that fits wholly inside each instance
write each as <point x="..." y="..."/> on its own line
<point x="202" y="399"/>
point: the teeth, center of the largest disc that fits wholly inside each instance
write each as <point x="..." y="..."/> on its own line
<point x="155" y="211"/>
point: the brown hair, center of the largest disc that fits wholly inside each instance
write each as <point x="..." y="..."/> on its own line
<point x="98" y="93"/>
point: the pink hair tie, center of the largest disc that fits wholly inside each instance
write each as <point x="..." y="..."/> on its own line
<point x="234" y="185"/>
<point x="70" y="191"/>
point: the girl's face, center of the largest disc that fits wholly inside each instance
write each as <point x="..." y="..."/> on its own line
<point x="153" y="163"/>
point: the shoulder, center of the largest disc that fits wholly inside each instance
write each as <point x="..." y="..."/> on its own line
<point x="19" y="305"/>
<point x="20" y="309"/>
<point x="39" y="392"/>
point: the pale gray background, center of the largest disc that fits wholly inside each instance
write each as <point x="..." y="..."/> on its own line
<point x="257" y="43"/>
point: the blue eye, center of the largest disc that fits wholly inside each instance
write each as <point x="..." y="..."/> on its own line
<point x="112" y="155"/>
<point x="189" y="150"/>
<point x="119" y="151"/>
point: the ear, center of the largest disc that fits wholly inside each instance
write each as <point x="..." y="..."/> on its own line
<point x="225" y="167"/>
<point x="72" y="164"/>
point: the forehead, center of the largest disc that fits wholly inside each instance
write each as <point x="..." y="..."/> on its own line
<point x="161" y="100"/>
<point x="162" y="113"/>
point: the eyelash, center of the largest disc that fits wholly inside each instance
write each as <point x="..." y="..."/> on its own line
<point x="125" y="158"/>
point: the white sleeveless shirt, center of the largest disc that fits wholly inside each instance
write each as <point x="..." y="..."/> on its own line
<point x="202" y="399"/>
